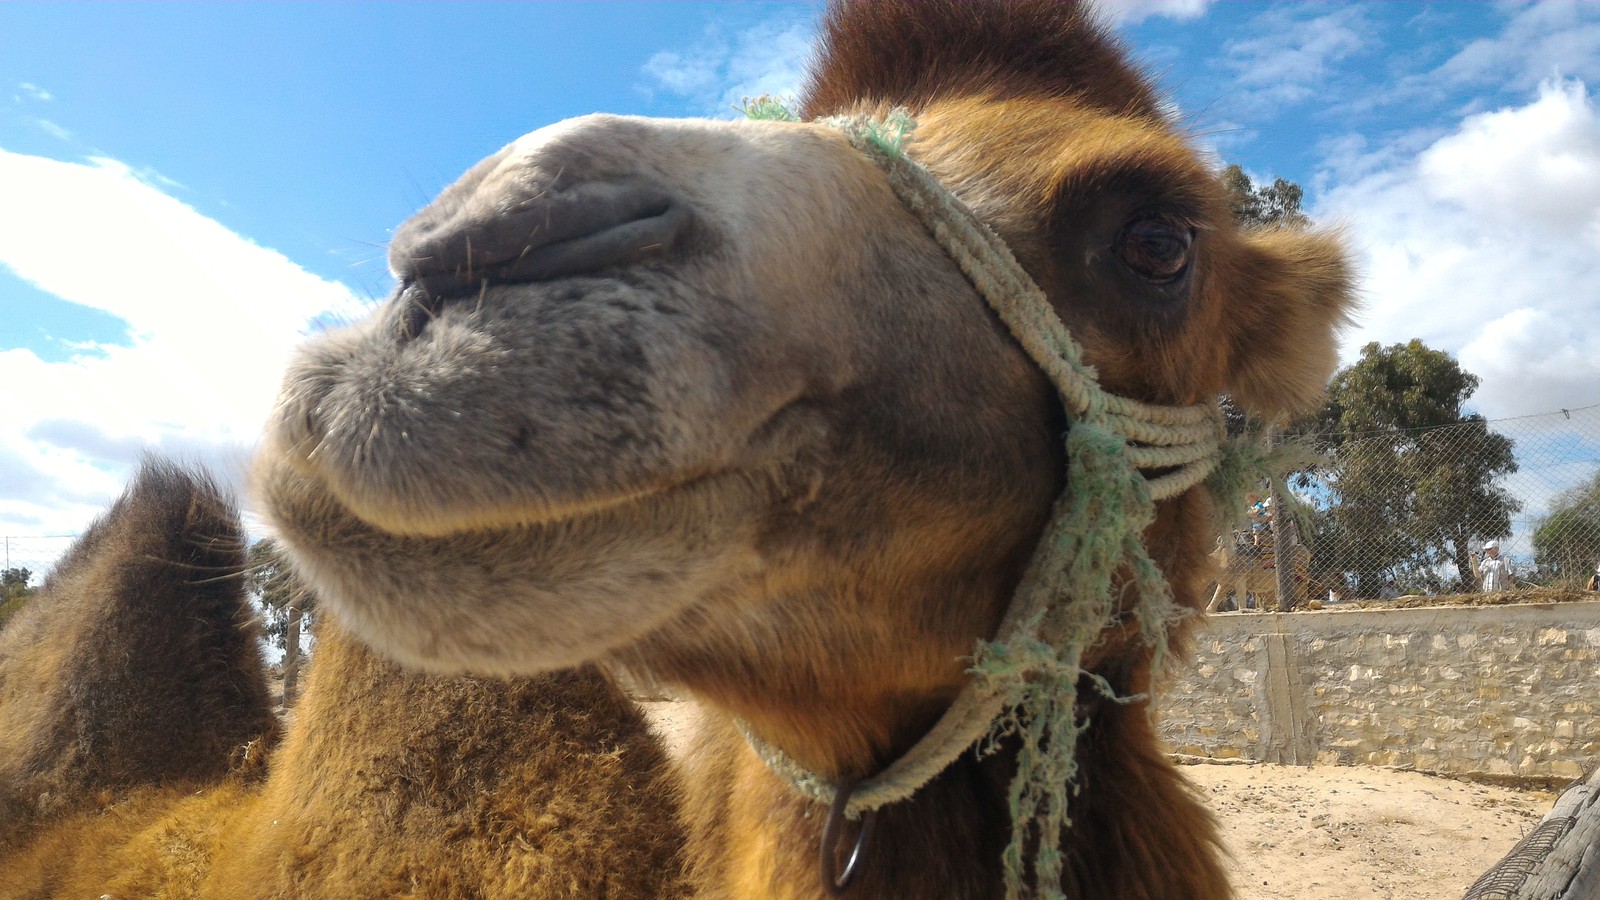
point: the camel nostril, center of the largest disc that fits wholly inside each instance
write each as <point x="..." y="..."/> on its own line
<point x="418" y="308"/>
<point x="651" y="232"/>
<point x="574" y="231"/>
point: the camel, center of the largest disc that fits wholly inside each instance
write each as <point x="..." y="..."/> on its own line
<point x="139" y="756"/>
<point x="103" y="690"/>
<point x="709" y="401"/>
<point x="1248" y="573"/>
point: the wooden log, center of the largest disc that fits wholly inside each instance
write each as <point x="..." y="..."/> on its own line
<point x="1558" y="860"/>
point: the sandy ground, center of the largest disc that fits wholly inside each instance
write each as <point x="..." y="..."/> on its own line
<point x="1336" y="833"/>
<point x="1342" y="833"/>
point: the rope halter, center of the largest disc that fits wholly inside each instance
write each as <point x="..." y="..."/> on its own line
<point x="1025" y="680"/>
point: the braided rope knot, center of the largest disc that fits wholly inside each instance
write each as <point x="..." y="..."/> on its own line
<point x="1025" y="681"/>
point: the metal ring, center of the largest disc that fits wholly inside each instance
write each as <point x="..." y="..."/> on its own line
<point x="839" y="882"/>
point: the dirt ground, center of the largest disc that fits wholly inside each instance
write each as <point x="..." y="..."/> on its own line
<point x="1335" y="833"/>
<point x="1342" y="833"/>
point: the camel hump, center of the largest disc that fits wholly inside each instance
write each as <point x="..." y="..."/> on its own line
<point x="138" y="662"/>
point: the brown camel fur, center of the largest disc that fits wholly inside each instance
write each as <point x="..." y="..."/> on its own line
<point x="134" y="750"/>
<point x="704" y="400"/>
<point x="107" y="685"/>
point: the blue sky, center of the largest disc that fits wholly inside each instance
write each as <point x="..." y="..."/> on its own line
<point x="186" y="190"/>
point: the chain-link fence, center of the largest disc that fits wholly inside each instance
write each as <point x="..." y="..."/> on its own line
<point x="35" y="552"/>
<point x="1475" y="506"/>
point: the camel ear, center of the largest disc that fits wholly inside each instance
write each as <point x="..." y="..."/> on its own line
<point x="1295" y="290"/>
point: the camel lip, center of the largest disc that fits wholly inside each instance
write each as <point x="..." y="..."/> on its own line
<point x="413" y="521"/>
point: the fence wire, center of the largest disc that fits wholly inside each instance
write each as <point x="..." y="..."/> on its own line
<point x="35" y="552"/>
<point x="1480" y="506"/>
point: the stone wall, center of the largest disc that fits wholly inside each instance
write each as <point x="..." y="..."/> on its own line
<point x="1508" y="691"/>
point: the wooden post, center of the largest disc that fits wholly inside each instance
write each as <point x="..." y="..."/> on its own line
<point x="291" y="647"/>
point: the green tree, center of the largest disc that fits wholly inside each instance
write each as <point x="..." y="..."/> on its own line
<point x="14" y="592"/>
<point x="1566" y="545"/>
<point x="1277" y="204"/>
<point x="286" y="604"/>
<point x="14" y="582"/>
<point x="1415" y="476"/>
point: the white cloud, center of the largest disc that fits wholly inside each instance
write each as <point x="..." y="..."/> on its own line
<point x="719" y="71"/>
<point x="52" y="129"/>
<point x="1132" y="12"/>
<point x="1535" y="165"/>
<point x="35" y="92"/>
<point x="211" y="317"/>
<point x="1537" y="42"/>
<point x="686" y="73"/>
<point x="1543" y="40"/>
<point x="1486" y="243"/>
<point x="1289" y="55"/>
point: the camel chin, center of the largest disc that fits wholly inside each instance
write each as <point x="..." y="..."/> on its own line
<point x="520" y="598"/>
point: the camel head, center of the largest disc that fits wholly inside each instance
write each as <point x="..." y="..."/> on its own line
<point x="703" y="396"/>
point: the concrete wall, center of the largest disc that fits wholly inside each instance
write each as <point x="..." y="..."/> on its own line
<point x="1492" y="690"/>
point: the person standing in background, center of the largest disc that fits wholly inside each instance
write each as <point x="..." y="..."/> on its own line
<point x="1493" y="573"/>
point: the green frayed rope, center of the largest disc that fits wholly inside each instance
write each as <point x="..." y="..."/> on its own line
<point x="766" y="108"/>
<point x="1095" y="532"/>
<point x="1025" y="681"/>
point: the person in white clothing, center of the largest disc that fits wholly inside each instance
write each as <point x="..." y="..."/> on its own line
<point x="1493" y="573"/>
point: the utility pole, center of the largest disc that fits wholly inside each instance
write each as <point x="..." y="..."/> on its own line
<point x="1284" y="539"/>
<point x="291" y="647"/>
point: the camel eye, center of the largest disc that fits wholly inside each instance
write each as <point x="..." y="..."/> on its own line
<point x="1156" y="249"/>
